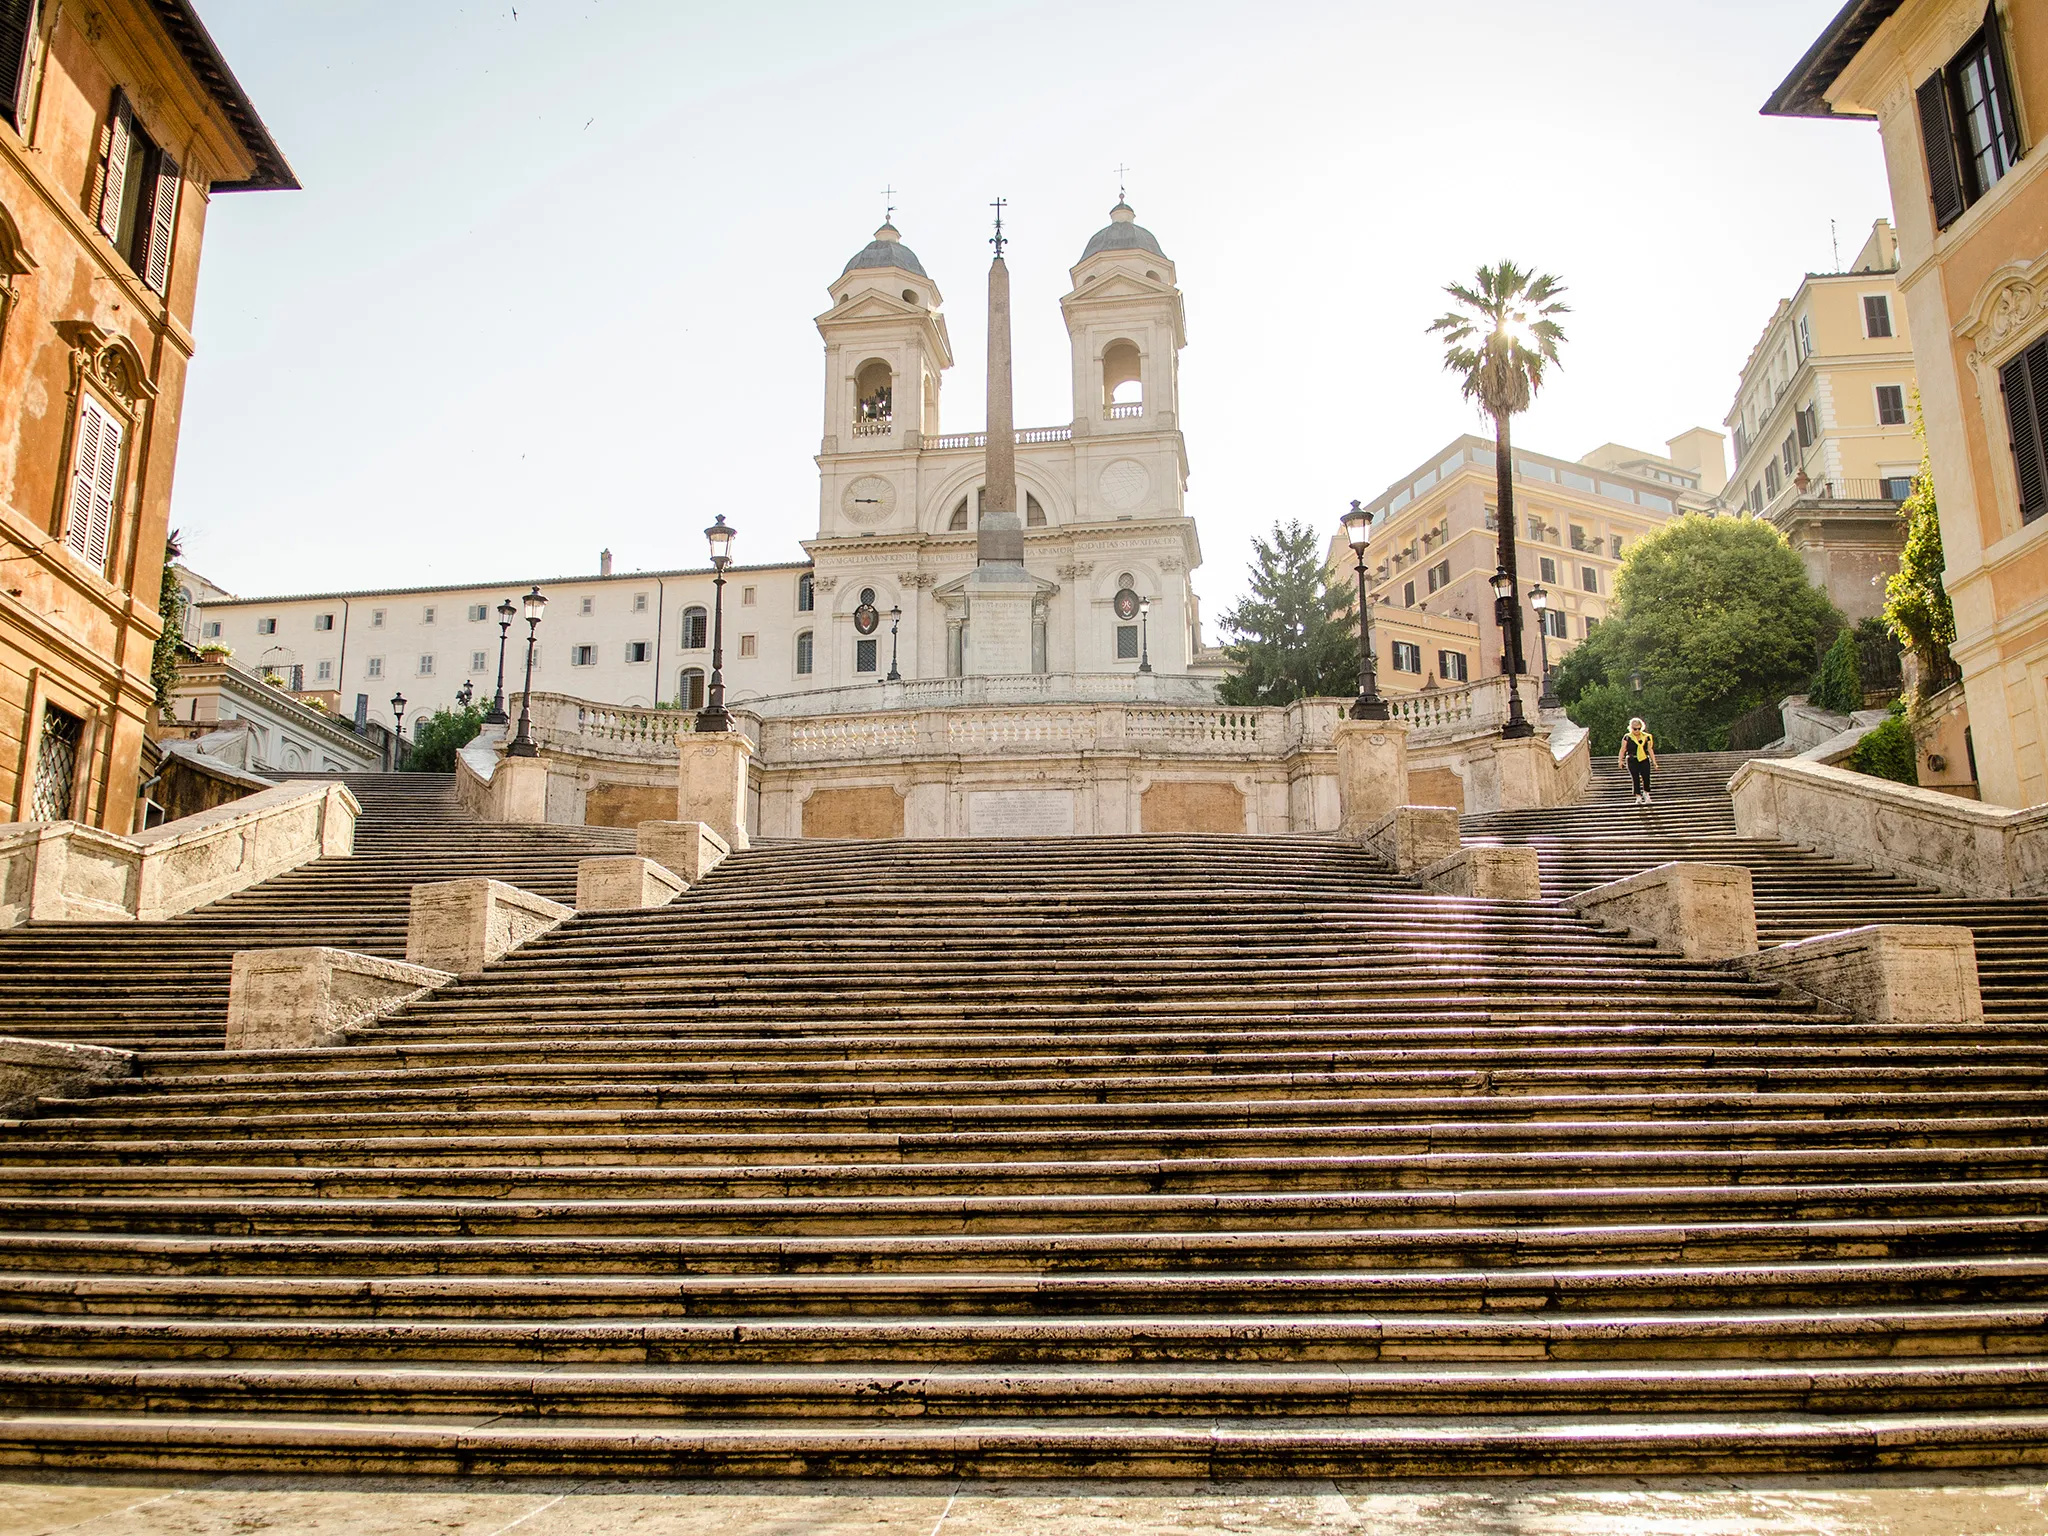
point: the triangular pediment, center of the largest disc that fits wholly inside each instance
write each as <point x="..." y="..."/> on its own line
<point x="1123" y="284"/>
<point x="873" y="305"/>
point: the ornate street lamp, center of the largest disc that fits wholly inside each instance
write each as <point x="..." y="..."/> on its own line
<point x="522" y="743"/>
<point x="712" y="717"/>
<point x="398" y="730"/>
<point x="496" y="714"/>
<point x="1368" y="705"/>
<point x="465" y="693"/>
<point x="895" y="620"/>
<point x="1540" y="600"/>
<point x="1507" y="613"/>
<point x="1144" y="634"/>
<point x="1635" y="682"/>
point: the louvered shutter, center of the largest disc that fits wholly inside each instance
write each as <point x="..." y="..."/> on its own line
<point x="1944" y="176"/>
<point x="89" y="528"/>
<point x="2025" y="381"/>
<point x="2001" y="80"/>
<point x="17" y="31"/>
<point x="78" y="522"/>
<point x="163" y="224"/>
<point x="114" y="144"/>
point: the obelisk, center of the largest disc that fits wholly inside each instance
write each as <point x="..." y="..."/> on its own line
<point x="1000" y="592"/>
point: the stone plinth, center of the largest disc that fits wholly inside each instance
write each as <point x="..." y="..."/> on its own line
<point x="712" y="784"/>
<point x="686" y="848"/>
<point x="1704" y="911"/>
<point x="463" y="925"/>
<point x="1372" y="772"/>
<point x="1886" y="973"/>
<point x="1412" y="837"/>
<point x="302" y="999"/>
<point x="1490" y="874"/>
<point x="519" y="791"/>
<point x="999" y="621"/>
<point x="625" y="883"/>
<point x="31" y="1069"/>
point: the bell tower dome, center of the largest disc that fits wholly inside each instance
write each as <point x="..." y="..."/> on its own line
<point x="1126" y="325"/>
<point x="885" y="350"/>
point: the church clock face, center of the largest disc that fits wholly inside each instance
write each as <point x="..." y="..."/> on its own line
<point x="870" y="499"/>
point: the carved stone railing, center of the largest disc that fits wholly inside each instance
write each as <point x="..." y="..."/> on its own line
<point x="980" y="439"/>
<point x="842" y="737"/>
<point x="875" y="427"/>
<point x="64" y="871"/>
<point x="1123" y="409"/>
<point x="1027" y="688"/>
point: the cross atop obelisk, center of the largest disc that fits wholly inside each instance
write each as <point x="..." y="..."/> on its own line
<point x="1000" y="541"/>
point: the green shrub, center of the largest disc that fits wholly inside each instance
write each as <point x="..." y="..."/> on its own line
<point x="1887" y="752"/>
<point x="1840" y="686"/>
<point x="440" y="736"/>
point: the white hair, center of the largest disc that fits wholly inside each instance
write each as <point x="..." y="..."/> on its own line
<point x="1635" y="723"/>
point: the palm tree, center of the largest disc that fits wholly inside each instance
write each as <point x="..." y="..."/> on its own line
<point x="1500" y="338"/>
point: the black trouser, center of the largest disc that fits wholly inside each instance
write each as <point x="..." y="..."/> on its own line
<point x="1639" y="774"/>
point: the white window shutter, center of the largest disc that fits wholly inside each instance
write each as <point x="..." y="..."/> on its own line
<point x="78" y="521"/>
<point x="163" y="225"/>
<point x="89" y="529"/>
<point x="114" y="168"/>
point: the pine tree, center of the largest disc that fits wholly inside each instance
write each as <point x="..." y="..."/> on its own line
<point x="1295" y="636"/>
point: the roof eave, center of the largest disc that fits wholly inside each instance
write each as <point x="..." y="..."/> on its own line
<point x="1803" y="93"/>
<point x="203" y="57"/>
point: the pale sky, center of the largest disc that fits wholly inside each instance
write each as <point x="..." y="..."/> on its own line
<point x="550" y="285"/>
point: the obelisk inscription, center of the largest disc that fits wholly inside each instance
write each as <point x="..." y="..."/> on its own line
<point x="1000" y="593"/>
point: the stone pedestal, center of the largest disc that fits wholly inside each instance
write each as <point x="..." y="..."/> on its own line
<point x="519" y="791"/>
<point x="1886" y="973"/>
<point x="1704" y="911"/>
<point x="463" y="925"/>
<point x="999" y="621"/>
<point x="1372" y="773"/>
<point x="303" y="999"/>
<point x="1412" y="837"/>
<point x="624" y="883"/>
<point x="712" y="784"/>
<point x="1525" y="773"/>
<point x="1490" y="874"/>
<point x="687" y="848"/>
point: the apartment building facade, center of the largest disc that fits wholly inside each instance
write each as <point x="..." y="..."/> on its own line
<point x="119" y="121"/>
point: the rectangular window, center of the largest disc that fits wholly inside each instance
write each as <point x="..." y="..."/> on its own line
<point x="479" y="661"/>
<point x="1969" y="123"/>
<point x="135" y="194"/>
<point x="1589" y="578"/>
<point x="478" y="611"/>
<point x="1578" y="535"/>
<point x="1771" y="478"/>
<point x="803" y="654"/>
<point x="2025" y="382"/>
<point x="1891" y="405"/>
<point x="1553" y="624"/>
<point x="1450" y="666"/>
<point x="1407" y="656"/>
<point x="1591" y="625"/>
<point x="582" y="655"/>
<point x="427" y="615"/>
<point x="1741" y="443"/>
<point x="1127" y="642"/>
<point x="1535" y="528"/>
<point x="323" y="621"/>
<point x="1439" y="575"/>
<point x="210" y="630"/>
<point x="1809" y="425"/>
<point x="746" y="597"/>
<point x="426" y="666"/>
<point x="1805" y="336"/>
<point x="266" y="626"/>
<point x="1547" y="567"/>
<point x="1756" y="498"/>
<point x="1896" y="487"/>
<point x="57" y="747"/>
<point x="864" y="656"/>
<point x="95" y="483"/>
<point x="1877" y="315"/>
<point x="637" y="650"/>
<point x="746" y="645"/>
<point x="374" y="667"/>
<point x="639" y="602"/>
<point x="1788" y="455"/>
<point x="696" y="629"/>
<point x="1615" y="545"/>
<point x="376" y="618"/>
<point x="1408" y="593"/>
<point x="324" y="671"/>
<point x="587" y="606"/>
<point x="1493" y="519"/>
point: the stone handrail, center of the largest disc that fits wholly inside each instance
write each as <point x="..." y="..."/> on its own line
<point x="1449" y="712"/>
<point x="64" y="871"/>
<point x="1922" y="834"/>
<point x="1157" y="730"/>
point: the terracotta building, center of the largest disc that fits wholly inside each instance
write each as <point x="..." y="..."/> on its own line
<point x="118" y="121"/>
<point x="1960" y="95"/>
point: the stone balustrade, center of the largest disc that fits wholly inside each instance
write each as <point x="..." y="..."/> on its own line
<point x="64" y="871"/>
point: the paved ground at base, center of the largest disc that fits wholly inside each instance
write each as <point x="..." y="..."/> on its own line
<point x="1960" y="1504"/>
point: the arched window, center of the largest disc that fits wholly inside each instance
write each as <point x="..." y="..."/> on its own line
<point x="690" y="689"/>
<point x="873" y="396"/>
<point x="806" y="592"/>
<point x="958" y="523"/>
<point x="1123" y="389"/>
<point x="696" y="629"/>
<point x="804" y="653"/>
<point x="1034" y="513"/>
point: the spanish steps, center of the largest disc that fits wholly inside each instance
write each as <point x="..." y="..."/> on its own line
<point x="1184" y="1156"/>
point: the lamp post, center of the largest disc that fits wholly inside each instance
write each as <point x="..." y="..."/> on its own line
<point x="1635" y="682"/>
<point x="712" y="717"/>
<point x="465" y="693"/>
<point x="1507" y="613"/>
<point x="1540" y="601"/>
<point x="895" y="620"/>
<point x="1368" y="705"/>
<point x="496" y="714"/>
<point x="398" y="731"/>
<point x="1144" y="634"/>
<point x="522" y="743"/>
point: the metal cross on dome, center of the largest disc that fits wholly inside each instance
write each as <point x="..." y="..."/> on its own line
<point x="998" y="241"/>
<point x="888" y="205"/>
<point x="1121" y="172"/>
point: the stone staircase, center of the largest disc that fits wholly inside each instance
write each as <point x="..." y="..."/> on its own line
<point x="1172" y="1156"/>
<point x="1798" y="892"/>
<point x="162" y="985"/>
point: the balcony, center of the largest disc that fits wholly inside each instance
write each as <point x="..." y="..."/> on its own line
<point x="874" y="426"/>
<point x="1022" y="435"/>
<point x="1123" y="411"/>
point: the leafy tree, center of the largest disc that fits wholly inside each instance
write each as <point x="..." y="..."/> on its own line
<point x="1840" y="686"/>
<point x="440" y="736"/>
<point x="1296" y="634"/>
<point x="1916" y="603"/>
<point x="163" y="663"/>
<point x="1888" y="751"/>
<point x="1499" y="340"/>
<point x="1717" y="615"/>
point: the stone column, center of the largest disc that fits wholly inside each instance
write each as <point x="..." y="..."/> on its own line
<point x="1372" y="773"/>
<point x="712" y="782"/>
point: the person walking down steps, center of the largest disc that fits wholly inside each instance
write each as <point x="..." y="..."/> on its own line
<point x="1639" y="756"/>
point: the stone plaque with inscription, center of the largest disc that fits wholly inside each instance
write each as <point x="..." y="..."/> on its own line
<point x="1020" y="813"/>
